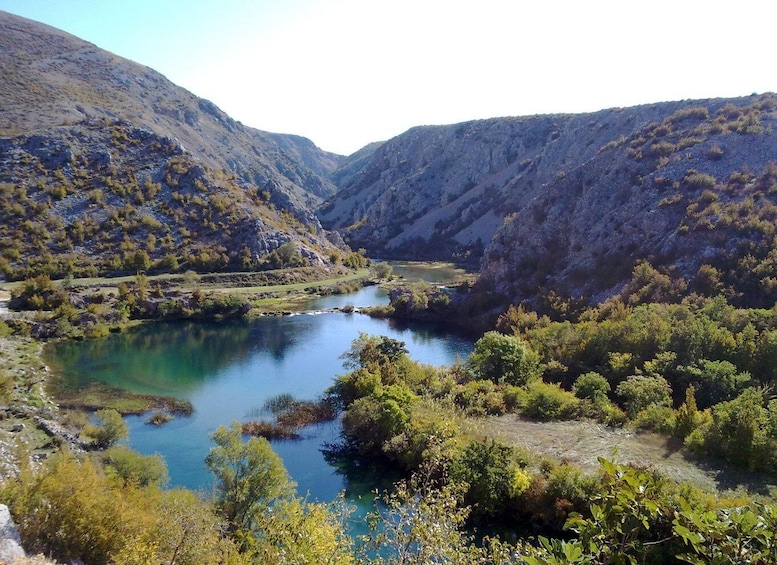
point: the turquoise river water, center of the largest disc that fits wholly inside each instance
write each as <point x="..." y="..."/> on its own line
<point x="228" y="370"/>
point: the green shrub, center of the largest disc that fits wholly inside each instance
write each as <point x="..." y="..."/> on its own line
<point x="612" y="415"/>
<point x="715" y="152"/>
<point x="39" y="293"/>
<point x="740" y="432"/>
<point x="662" y="149"/>
<point x="591" y="385"/>
<point x="514" y="398"/>
<point x="640" y="391"/>
<point x="135" y="469"/>
<point x="696" y="113"/>
<point x="699" y="181"/>
<point x="550" y="402"/>
<point x="657" y="418"/>
<point x="108" y="429"/>
<point x="490" y="470"/>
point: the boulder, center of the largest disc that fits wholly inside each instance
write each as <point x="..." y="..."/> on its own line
<point x="10" y="542"/>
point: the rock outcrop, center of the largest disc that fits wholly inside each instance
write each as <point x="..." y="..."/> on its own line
<point x="10" y="542"/>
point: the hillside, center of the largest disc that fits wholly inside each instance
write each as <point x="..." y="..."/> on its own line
<point x="572" y="202"/>
<point x="90" y="141"/>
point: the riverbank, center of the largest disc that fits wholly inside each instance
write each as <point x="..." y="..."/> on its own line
<point x="30" y="424"/>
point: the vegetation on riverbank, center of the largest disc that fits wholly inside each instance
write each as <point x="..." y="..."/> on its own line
<point x="290" y="415"/>
<point x="649" y="365"/>
<point x="99" y="396"/>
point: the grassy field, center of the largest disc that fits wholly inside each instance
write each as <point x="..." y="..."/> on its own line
<point x="582" y="443"/>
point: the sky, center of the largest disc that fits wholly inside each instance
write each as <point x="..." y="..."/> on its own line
<point x="345" y="73"/>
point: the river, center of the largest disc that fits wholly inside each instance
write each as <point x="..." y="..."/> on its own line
<point x="228" y="370"/>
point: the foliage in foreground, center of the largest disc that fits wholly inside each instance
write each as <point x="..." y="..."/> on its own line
<point x="71" y="510"/>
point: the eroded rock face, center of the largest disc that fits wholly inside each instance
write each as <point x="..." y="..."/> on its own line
<point x="10" y="542"/>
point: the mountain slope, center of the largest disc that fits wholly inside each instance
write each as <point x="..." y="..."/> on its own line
<point x="49" y="78"/>
<point x="694" y="192"/>
<point x="571" y="202"/>
<point x="443" y="191"/>
<point x="106" y="166"/>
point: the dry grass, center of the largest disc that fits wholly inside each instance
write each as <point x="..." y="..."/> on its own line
<point x="582" y="443"/>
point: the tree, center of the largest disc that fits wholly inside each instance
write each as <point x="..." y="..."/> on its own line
<point x="715" y="381"/>
<point x="367" y="351"/>
<point x="137" y="261"/>
<point x="373" y="420"/>
<point x="190" y="532"/>
<point x="491" y="474"/>
<point x="504" y="359"/>
<point x="738" y="432"/>
<point x="108" y="429"/>
<point x="297" y="532"/>
<point x="135" y="469"/>
<point x="250" y="476"/>
<point x="419" y="523"/>
<point x="287" y="255"/>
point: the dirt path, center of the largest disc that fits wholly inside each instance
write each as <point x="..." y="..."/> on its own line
<point x="582" y="443"/>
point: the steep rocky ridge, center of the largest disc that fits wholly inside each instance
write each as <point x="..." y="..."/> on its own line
<point x="106" y="166"/>
<point x="570" y="202"/>
<point x="49" y="78"/>
<point x="443" y="191"/>
<point x="694" y="187"/>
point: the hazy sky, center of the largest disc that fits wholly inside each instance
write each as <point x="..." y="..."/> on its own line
<point x="348" y="72"/>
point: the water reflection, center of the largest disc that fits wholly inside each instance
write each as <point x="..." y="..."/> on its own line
<point x="165" y="358"/>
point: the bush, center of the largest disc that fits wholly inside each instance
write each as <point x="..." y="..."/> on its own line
<point x="286" y="256"/>
<point x="479" y="398"/>
<point x="514" y="398"/>
<point x="68" y="511"/>
<point x="492" y="474"/>
<point x="699" y="181"/>
<point x="657" y="418"/>
<point x="550" y="402"/>
<point x="135" y="469"/>
<point x="373" y="420"/>
<point x="640" y="391"/>
<point x="715" y="381"/>
<point x="39" y="293"/>
<point x="383" y="270"/>
<point x="432" y="434"/>
<point x="739" y="432"/>
<point x="591" y="385"/>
